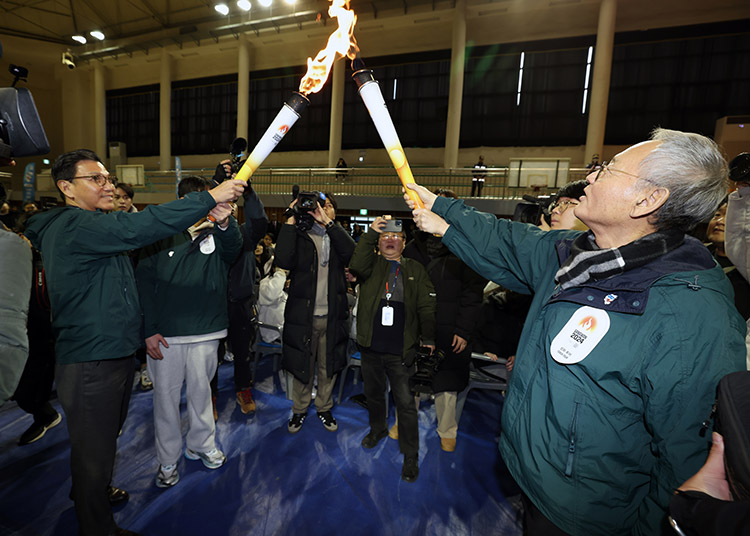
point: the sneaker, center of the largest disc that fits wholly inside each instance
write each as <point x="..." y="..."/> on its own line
<point x="213" y="459"/>
<point x="146" y="383"/>
<point x="167" y="476"/>
<point x="326" y="417"/>
<point x="245" y="400"/>
<point x="228" y="357"/>
<point x="410" y="470"/>
<point x="216" y="413"/>
<point x="296" y="422"/>
<point x="371" y="440"/>
<point x="38" y="428"/>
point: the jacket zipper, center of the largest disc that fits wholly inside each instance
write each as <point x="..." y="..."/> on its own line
<point x="572" y="441"/>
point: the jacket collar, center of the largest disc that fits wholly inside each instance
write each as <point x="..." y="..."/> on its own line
<point x="628" y="292"/>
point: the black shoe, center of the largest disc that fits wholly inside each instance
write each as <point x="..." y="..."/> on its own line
<point x="38" y="428"/>
<point x="117" y="495"/>
<point x="326" y="417"/>
<point x="410" y="470"/>
<point x="124" y="532"/>
<point x="371" y="440"/>
<point x="296" y="422"/>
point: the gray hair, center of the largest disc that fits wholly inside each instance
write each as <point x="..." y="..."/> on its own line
<point x="694" y="171"/>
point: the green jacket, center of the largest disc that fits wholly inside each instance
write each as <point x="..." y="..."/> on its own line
<point x="182" y="284"/>
<point x="96" y="313"/>
<point x="419" y="296"/>
<point x="599" y="439"/>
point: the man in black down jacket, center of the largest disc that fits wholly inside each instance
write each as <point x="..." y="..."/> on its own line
<point x="316" y="311"/>
<point x="459" y="298"/>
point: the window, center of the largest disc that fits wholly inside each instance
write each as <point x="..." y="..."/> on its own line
<point x="133" y="118"/>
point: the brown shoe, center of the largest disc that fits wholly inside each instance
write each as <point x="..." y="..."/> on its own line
<point x="448" y="444"/>
<point x="245" y="400"/>
<point x="393" y="432"/>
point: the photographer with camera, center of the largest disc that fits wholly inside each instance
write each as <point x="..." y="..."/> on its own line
<point x="396" y="310"/>
<point x="315" y="250"/>
<point x="228" y="168"/>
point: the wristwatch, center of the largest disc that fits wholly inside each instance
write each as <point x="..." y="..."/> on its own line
<point x="330" y="225"/>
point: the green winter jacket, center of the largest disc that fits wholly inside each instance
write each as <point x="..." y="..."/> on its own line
<point x="182" y="283"/>
<point x="419" y="296"/>
<point x="96" y="313"/>
<point x="612" y="380"/>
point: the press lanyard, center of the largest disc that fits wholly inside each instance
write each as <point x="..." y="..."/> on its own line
<point x="388" y="291"/>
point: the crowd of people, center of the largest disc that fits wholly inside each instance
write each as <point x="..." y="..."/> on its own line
<point x="616" y="323"/>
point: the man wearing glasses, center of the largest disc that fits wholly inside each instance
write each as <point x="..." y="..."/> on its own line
<point x="96" y="315"/>
<point x="631" y="326"/>
<point x="562" y="215"/>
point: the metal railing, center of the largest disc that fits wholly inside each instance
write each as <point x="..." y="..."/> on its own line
<point x="370" y="181"/>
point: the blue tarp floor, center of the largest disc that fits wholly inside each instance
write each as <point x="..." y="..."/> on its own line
<point x="314" y="482"/>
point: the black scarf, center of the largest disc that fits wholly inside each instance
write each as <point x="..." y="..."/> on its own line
<point x="587" y="262"/>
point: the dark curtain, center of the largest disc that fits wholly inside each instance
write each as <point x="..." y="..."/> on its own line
<point x="133" y="118"/>
<point x="684" y="84"/>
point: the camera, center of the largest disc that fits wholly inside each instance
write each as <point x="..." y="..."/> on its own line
<point x="427" y="365"/>
<point x="306" y="202"/>
<point x="739" y="168"/>
<point x="68" y="60"/>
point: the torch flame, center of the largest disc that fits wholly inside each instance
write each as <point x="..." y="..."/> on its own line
<point x="340" y="43"/>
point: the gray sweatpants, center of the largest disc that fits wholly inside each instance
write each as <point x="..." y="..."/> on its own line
<point x="195" y="364"/>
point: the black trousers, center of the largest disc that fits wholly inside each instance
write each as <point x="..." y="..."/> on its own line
<point x="476" y="185"/>
<point x="95" y="397"/>
<point x="534" y="521"/>
<point x="241" y="339"/>
<point x="375" y="368"/>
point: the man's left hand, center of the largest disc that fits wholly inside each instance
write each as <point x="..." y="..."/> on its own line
<point x="431" y="347"/>
<point x="320" y="215"/>
<point x="458" y="345"/>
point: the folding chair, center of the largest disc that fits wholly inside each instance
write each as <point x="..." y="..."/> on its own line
<point x="262" y="349"/>
<point x="495" y="379"/>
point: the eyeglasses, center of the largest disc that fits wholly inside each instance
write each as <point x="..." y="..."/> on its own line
<point x="99" y="179"/>
<point x="562" y="205"/>
<point x="606" y="167"/>
<point x="394" y="236"/>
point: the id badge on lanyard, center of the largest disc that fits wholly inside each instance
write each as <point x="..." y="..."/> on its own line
<point x="386" y="315"/>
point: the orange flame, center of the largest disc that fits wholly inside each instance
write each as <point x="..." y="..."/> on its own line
<point x="588" y="323"/>
<point x="340" y="43"/>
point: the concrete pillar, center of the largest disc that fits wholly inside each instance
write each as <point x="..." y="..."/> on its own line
<point x="337" y="112"/>
<point x="243" y="87"/>
<point x="165" y="112"/>
<point x="458" y="60"/>
<point x="100" y="112"/>
<point x="605" y="38"/>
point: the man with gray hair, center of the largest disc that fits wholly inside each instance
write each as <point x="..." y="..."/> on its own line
<point x="631" y="326"/>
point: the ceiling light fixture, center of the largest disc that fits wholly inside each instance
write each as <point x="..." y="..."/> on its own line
<point x="265" y="3"/>
<point x="222" y="8"/>
<point x="97" y="34"/>
<point x="244" y="5"/>
<point x="79" y="39"/>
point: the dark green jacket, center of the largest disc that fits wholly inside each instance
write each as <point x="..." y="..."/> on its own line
<point x="182" y="284"/>
<point x="419" y="296"/>
<point x="600" y="439"/>
<point x="96" y="313"/>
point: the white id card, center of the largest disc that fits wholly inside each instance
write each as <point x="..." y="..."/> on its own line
<point x="387" y="317"/>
